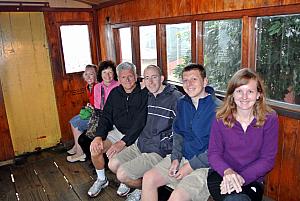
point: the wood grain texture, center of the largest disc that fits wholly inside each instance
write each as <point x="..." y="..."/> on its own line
<point x="69" y="88"/>
<point x="6" y="151"/>
<point x="7" y="190"/>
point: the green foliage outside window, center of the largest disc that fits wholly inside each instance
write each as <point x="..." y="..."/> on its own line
<point x="222" y="51"/>
<point x="278" y="56"/>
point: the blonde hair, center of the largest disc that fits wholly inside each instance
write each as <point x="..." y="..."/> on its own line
<point x="90" y="66"/>
<point x="227" y="112"/>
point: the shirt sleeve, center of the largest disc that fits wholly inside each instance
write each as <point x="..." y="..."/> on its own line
<point x="265" y="162"/>
<point x="216" y="149"/>
<point x="177" y="147"/>
<point x="199" y="161"/>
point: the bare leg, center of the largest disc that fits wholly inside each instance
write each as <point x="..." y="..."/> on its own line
<point x="179" y="194"/>
<point x="123" y="178"/>
<point x="76" y="134"/>
<point x="114" y="165"/>
<point x="98" y="159"/>
<point x="151" y="181"/>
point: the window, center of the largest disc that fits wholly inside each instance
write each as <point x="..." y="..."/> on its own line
<point x="222" y="51"/>
<point x="126" y="50"/>
<point x="278" y="56"/>
<point x="178" y="49"/>
<point x="76" y="47"/>
<point x="148" y="46"/>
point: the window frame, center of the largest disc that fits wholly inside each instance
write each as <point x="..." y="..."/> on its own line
<point x="91" y="40"/>
<point x="248" y="47"/>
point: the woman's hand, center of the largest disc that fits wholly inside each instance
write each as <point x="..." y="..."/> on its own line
<point x="232" y="181"/>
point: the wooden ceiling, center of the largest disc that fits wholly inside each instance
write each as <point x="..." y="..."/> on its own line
<point x="94" y="2"/>
<point x="101" y="3"/>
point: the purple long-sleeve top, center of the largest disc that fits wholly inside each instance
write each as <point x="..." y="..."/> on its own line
<point x="251" y="154"/>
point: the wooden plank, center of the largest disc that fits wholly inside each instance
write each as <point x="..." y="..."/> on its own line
<point x="6" y="151"/>
<point x="273" y="178"/>
<point x="53" y="181"/>
<point x="7" y="190"/>
<point x="27" y="183"/>
<point x="289" y="176"/>
<point x="75" y="174"/>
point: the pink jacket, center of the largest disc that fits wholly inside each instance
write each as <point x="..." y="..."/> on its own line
<point x="107" y="90"/>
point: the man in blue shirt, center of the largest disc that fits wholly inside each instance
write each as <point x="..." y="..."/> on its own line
<point x="187" y="167"/>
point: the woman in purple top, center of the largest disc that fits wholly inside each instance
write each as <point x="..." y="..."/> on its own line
<point x="243" y="141"/>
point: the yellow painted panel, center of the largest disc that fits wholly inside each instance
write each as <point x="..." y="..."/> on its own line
<point x="27" y="82"/>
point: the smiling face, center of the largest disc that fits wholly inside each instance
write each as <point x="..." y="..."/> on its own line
<point x="107" y="76"/>
<point x="193" y="84"/>
<point x="245" y="96"/>
<point x="127" y="79"/>
<point x="153" y="80"/>
<point x="90" y="75"/>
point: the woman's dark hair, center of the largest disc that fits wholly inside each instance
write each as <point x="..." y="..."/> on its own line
<point x="105" y="65"/>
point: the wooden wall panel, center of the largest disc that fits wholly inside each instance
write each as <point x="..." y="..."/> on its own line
<point x="289" y="174"/>
<point x="69" y="88"/>
<point x="27" y="82"/>
<point x="6" y="150"/>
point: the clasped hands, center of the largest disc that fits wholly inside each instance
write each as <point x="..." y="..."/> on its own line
<point x="177" y="173"/>
<point x="232" y="181"/>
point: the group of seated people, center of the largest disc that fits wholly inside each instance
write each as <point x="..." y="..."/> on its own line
<point x="194" y="143"/>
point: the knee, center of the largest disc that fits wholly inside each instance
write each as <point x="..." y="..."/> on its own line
<point x="150" y="178"/>
<point x="113" y="165"/>
<point x="179" y="195"/>
<point x="122" y="175"/>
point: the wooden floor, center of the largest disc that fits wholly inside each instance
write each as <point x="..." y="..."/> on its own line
<point x="48" y="176"/>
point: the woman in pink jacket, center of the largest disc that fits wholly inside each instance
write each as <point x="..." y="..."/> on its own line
<point x="107" y="81"/>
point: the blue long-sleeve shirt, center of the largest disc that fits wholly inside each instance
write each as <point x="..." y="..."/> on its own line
<point x="251" y="154"/>
<point x="192" y="128"/>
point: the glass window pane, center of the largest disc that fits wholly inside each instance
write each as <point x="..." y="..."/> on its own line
<point x="76" y="47"/>
<point x="126" y="50"/>
<point x="278" y="56"/>
<point x="178" y="49"/>
<point x="222" y="51"/>
<point x="148" y="46"/>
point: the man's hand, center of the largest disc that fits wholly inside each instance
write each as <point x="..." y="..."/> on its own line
<point x="185" y="170"/>
<point x="232" y="181"/>
<point x="96" y="146"/>
<point x="173" y="168"/>
<point x="115" y="148"/>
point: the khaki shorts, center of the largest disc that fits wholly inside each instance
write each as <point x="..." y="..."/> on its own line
<point x="135" y="163"/>
<point x="114" y="135"/>
<point x="195" y="184"/>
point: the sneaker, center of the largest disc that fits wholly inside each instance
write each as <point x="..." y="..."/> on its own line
<point x="97" y="187"/>
<point x="134" y="195"/>
<point x="75" y="158"/>
<point x="72" y="151"/>
<point x="123" y="190"/>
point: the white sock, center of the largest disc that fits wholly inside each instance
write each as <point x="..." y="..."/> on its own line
<point x="101" y="174"/>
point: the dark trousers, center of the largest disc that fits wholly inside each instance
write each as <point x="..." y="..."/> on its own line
<point x="85" y="142"/>
<point x="251" y="192"/>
